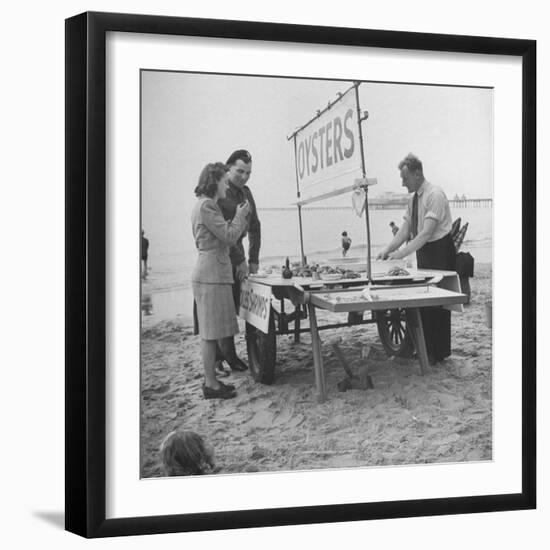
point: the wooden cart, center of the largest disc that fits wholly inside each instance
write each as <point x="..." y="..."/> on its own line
<point x="394" y="308"/>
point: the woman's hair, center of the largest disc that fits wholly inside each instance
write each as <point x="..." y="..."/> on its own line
<point x="344" y="233"/>
<point x="210" y="176"/>
<point x="184" y="453"/>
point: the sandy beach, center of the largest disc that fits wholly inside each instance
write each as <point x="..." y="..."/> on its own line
<point x="442" y="416"/>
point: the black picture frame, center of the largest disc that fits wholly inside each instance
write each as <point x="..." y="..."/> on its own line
<point x="86" y="273"/>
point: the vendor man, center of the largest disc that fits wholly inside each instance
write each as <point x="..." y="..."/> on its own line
<point x="426" y="227"/>
<point x="240" y="167"/>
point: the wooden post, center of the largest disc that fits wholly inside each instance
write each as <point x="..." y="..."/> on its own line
<point x="363" y="169"/>
<point x="414" y="322"/>
<point x="298" y="313"/>
<point x="299" y="205"/>
<point x="317" y="356"/>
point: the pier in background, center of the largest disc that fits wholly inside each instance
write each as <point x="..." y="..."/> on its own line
<point x="389" y="204"/>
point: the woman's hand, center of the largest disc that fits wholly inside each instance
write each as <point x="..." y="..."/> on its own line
<point x="243" y="209"/>
<point x="395" y="255"/>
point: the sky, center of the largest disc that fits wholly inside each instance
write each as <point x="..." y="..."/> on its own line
<point x="190" y="119"/>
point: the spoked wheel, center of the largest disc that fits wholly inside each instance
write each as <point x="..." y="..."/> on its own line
<point x="262" y="352"/>
<point x="393" y="332"/>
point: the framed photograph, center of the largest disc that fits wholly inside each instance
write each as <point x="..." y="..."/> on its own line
<point x="300" y="274"/>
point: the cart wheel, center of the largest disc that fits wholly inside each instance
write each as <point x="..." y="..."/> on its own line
<point x="262" y="352"/>
<point x="393" y="332"/>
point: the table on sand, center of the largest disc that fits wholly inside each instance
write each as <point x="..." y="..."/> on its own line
<point x="423" y="288"/>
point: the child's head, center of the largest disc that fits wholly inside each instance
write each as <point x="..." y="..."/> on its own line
<point x="185" y="453"/>
<point x="344" y="233"/>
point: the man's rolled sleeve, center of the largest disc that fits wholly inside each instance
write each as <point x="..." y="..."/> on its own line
<point x="435" y="207"/>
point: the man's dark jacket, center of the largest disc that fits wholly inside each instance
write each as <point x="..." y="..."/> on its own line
<point x="233" y="197"/>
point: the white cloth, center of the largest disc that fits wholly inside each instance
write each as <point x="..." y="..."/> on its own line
<point x="358" y="201"/>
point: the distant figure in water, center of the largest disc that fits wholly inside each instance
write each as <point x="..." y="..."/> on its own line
<point x="346" y="243"/>
<point x="394" y="228"/>
<point x="185" y="453"/>
<point x="144" y="254"/>
<point x="146" y="304"/>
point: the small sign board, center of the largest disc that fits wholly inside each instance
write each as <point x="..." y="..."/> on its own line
<point x="255" y="304"/>
<point x="362" y="182"/>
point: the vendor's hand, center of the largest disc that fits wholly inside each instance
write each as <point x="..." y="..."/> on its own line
<point x="395" y="255"/>
<point x="253" y="268"/>
<point x="241" y="271"/>
<point x="243" y="209"/>
<point x="382" y="255"/>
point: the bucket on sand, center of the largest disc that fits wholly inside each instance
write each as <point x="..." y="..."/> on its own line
<point x="489" y="314"/>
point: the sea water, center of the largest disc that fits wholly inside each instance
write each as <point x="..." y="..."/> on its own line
<point x="166" y="291"/>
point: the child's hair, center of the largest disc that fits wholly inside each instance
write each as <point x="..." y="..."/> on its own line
<point x="184" y="453"/>
<point x="344" y="233"/>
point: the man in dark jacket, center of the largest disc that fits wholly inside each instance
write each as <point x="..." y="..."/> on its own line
<point x="240" y="167"/>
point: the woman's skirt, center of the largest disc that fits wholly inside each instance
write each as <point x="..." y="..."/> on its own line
<point x="215" y="310"/>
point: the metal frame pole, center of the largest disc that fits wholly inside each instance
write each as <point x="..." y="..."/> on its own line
<point x="365" y="186"/>
<point x="299" y="205"/>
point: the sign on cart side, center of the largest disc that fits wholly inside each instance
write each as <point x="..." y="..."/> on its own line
<point x="255" y="304"/>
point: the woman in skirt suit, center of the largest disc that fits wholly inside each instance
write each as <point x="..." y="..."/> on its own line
<point x="212" y="276"/>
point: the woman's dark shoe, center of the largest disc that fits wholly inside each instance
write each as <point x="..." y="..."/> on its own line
<point x="229" y="386"/>
<point x="239" y="365"/>
<point x="223" y="392"/>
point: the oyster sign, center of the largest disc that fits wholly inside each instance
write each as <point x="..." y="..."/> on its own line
<point x="327" y="149"/>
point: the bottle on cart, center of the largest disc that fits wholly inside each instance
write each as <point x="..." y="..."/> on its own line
<point x="287" y="272"/>
<point x="315" y="272"/>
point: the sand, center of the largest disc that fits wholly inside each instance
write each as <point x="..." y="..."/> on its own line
<point x="443" y="416"/>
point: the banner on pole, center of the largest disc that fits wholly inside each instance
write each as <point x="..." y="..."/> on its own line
<point x="328" y="150"/>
